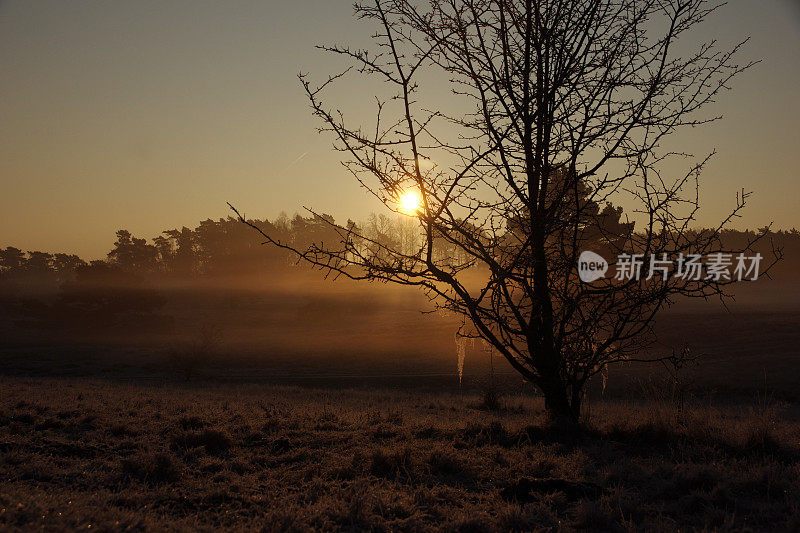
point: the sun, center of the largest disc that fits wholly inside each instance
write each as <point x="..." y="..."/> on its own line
<point x="410" y="202"/>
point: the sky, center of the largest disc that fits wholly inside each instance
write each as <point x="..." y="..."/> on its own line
<point x="151" y="115"/>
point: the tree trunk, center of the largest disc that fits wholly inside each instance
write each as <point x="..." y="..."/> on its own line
<point x="557" y="403"/>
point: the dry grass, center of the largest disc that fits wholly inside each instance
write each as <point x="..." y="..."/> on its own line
<point x="75" y="454"/>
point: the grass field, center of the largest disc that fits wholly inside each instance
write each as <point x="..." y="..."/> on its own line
<point x="94" y="455"/>
<point x="329" y="407"/>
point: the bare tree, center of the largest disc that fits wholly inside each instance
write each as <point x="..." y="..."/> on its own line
<point x="559" y="107"/>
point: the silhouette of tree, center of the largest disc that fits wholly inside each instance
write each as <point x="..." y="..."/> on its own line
<point x="559" y="107"/>
<point x="65" y="265"/>
<point x="212" y="247"/>
<point x="133" y="254"/>
<point x="12" y="261"/>
<point x="39" y="263"/>
<point x="183" y="259"/>
<point x="165" y="252"/>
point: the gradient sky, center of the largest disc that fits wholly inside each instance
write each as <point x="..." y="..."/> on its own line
<point x="149" y="115"/>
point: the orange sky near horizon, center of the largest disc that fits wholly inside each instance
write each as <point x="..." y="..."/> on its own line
<point x="150" y="115"/>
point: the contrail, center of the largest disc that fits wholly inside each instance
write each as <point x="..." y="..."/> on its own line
<point x="293" y="163"/>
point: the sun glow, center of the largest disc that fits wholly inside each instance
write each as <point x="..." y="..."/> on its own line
<point x="410" y="202"/>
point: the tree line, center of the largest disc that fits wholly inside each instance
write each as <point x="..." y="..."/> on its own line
<point x="226" y="247"/>
<point x="220" y="247"/>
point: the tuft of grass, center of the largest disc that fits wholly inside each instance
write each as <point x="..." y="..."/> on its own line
<point x="213" y="441"/>
<point x="157" y="468"/>
<point x="191" y="422"/>
<point x="49" y="423"/>
<point x="391" y="464"/>
<point x="445" y="463"/>
<point x="494" y="433"/>
<point x="121" y="430"/>
<point x="593" y="515"/>
<point x="491" y="400"/>
<point x="23" y="418"/>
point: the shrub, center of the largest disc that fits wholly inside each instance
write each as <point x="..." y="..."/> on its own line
<point x="491" y="399"/>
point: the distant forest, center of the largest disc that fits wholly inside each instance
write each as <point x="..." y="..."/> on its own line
<point x="223" y="247"/>
<point x="226" y="247"/>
